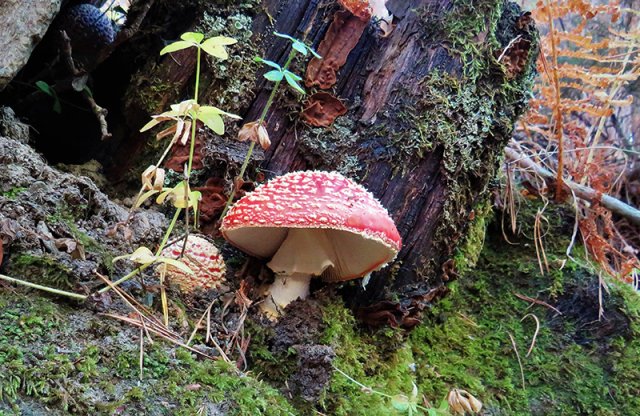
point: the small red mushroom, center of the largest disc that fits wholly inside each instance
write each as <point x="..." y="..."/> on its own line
<point x="204" y="260"/>
<point x="311" y="224"/>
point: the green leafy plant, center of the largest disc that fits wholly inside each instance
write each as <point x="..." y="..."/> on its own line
<point x="46" y="88"/>
<point x="255" y="131"/>
<point x="401" y="402"/>
<point x="184" y="116"/>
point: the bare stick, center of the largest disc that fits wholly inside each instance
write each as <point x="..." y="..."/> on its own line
<point x="583" y="192"/>
<point x="101" y="115"/>
<point x="44" y="288"/>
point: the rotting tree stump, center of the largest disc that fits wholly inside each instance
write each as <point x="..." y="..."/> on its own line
<point x="429" y="108"/>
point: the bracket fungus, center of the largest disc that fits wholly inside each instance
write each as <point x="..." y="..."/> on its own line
<point x="204" y="260"/>
<point x="311" y="224"/>
<point x="322" y="109"/>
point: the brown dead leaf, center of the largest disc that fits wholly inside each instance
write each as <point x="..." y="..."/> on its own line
<point x="256" y="132"/>
<point x="72" y="247"/>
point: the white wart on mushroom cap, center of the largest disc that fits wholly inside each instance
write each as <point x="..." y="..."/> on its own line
<point x="204" y="260"/>
<point x="314" y="223"/>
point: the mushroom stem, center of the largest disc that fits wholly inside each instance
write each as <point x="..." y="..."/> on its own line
<point x="303" y="254"/>
<point x="283" y="291"/>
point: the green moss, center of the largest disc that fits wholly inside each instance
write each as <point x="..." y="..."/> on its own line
<point x="577" y="366"/>
<point x="386" y="369"/>
<point x="13" y="193"/>
<point x="65" y="367"/>
<point x="42" y="269"/>
<point x="468" y="253"/>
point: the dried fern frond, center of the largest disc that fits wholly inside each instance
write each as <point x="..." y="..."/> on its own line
<point x="587" y="62"/>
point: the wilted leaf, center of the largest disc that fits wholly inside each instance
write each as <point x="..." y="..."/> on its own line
<point x="153" y="178"/>
<point x="80" y="83"/>
<point x="142" y="255"/>
<point x="255" y="132"/>
<point x="72" y="247"/>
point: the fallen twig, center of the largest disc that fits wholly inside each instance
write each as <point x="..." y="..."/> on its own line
<point x="538" y="302"/>
<point x="583" y="192"/>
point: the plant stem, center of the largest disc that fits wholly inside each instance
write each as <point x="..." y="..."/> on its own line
<point x="124" y="278"/>
<point x="167" y="234"/>
<point x="369" y="389"/>
<point x="265" y="110"/>
<point x="44" y="288"/>
<point x="194" y="121"/>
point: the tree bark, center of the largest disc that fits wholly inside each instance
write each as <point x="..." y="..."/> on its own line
<point x="429" y="109"/>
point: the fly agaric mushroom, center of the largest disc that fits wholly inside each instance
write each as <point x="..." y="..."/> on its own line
<point x="204" y="260"/>
<point x="311" y="224"/>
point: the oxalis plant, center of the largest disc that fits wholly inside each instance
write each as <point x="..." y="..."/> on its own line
<point x="256" y="131"/>
<point x="184" y="117"/>
<point x="402" y="403"/>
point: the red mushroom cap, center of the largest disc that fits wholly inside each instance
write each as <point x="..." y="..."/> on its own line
<point x="258" y="222"/>
<point x="204" y="260"/>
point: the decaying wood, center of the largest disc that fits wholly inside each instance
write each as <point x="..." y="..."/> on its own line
<point x="380" y="78"/>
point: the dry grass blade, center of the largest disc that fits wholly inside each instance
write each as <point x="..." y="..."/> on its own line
<point x="535" y="334"/>
<point x="161" y="334"/>
<point x="197" y="325"/>
<point x="515" y="348"/>
<point x="538" y="241"/>
<point x="147" y="321"/>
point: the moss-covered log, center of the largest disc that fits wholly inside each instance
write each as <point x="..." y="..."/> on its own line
<point x="429" y="108"/>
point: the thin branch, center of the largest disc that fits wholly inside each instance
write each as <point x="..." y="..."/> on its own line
<point x="537" y="302"/>
<point x="101" y="115"/>
<point x="583" y="192"/>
